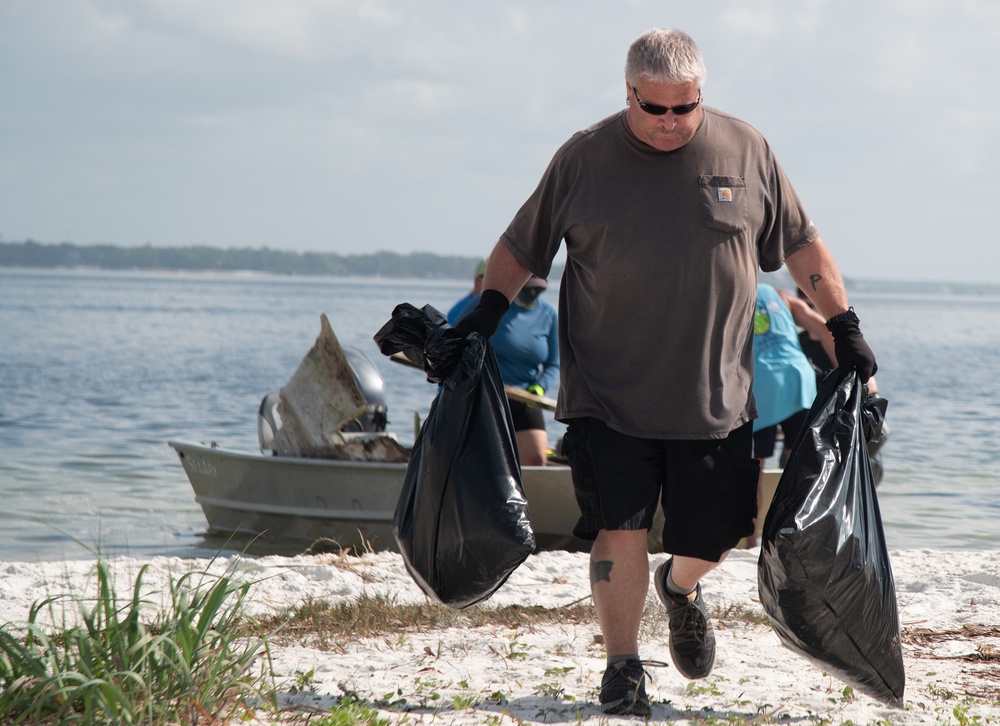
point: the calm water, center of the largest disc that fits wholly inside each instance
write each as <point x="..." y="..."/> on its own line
<point x="99" y="370"/>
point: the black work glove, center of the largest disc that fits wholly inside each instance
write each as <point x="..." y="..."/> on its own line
<point x="485" y="317"/>
<point x="850" y="346"/>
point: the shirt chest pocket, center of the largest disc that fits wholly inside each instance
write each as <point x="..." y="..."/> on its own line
<point x="723" y="202"/>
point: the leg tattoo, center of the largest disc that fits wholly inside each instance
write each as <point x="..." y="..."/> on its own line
<point x="600" y="571"/>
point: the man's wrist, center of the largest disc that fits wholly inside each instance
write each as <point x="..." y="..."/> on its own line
<point x="494" y="301"/>
<point x="485" y="317"/>
<point x="848" y="316"/>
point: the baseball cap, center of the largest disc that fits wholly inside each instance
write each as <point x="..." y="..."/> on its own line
<point x="480" y="268"/>
<point x="536" y="281"/>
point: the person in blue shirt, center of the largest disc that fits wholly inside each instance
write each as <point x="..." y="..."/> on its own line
<point x="527" y="348"/>
<point x="477" y="287"/>
<point x="784" y="381"/>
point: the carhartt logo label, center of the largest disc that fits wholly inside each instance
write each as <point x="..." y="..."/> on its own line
<point x="725" y="194"/>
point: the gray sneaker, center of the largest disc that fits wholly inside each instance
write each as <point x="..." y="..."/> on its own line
<point x="623" y="690"/>
<point x="692" y="641"/>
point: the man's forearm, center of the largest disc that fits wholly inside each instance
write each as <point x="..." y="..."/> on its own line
<point x="504" y="272"/>
<point x="815" y="272"/>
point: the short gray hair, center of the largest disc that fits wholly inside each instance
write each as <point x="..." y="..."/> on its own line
<point x="665" y="55"/>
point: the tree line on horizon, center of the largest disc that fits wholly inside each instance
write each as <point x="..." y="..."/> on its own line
<point x="426" y="265"/>
<point x="112" y="257"/>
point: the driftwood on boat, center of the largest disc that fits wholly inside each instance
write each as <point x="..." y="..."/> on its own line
<point x="320" y="399"/>
<point x="363" y="447"/>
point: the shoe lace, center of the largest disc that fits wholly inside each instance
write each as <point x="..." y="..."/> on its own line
<point x="688" y="623"/>
<point x="633" y="676"/>
<point x="646" y="664"/>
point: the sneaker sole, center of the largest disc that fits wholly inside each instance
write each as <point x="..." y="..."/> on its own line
<point x="618" y="708"/>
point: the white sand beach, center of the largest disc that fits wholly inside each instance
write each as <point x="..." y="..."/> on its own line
<point x="949" y="608"/>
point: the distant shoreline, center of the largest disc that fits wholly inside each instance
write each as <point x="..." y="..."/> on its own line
<point x="420" y="265"/>
<point x="415" y="265"/>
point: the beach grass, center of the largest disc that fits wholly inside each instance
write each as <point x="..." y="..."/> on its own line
<point x="105" y="659"/>
<point x="329" y="625"/>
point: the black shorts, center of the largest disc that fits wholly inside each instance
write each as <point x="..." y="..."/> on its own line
<point x="764" y="439"/>
<point x="526" y="417"/>
<point x="708" y="487"/>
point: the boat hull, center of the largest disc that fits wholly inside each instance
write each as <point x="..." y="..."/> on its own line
<point x="346" y="504"/>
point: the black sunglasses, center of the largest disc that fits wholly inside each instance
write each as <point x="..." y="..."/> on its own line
<point x="655" y="110"/>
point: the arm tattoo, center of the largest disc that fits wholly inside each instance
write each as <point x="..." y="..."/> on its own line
<point x="600" y="570"/>
<point x="814" y="279"/>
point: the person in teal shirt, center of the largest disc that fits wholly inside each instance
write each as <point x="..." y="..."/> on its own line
<point x="784" y="381"/>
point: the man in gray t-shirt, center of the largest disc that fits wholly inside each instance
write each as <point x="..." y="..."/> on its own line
<point x="668" y="209"/>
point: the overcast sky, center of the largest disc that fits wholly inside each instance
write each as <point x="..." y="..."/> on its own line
<point x="351" y="126"/>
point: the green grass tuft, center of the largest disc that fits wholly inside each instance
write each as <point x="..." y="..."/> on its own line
<point x="192" y="661"/>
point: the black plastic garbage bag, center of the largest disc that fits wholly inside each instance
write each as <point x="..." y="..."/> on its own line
<point x="462" y="520"/>
<point x="824" y="574"/>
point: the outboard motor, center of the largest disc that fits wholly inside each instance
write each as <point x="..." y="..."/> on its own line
<point x="368" y="380"/>
<point x="372" y="385"/>
<point x="268" y="421"/>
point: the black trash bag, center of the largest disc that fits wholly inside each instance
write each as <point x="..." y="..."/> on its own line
<point x="462" y="520"/>
<point x="424" y="336"/>
<point x="824" y="574"/>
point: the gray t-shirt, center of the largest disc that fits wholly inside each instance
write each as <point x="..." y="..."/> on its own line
<point x="662" y="250"/>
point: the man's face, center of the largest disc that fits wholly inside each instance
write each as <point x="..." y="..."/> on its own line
<point x="669" y="131"/>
